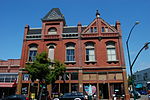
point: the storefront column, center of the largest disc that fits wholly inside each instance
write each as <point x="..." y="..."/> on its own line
<point x="29" y="89"/>
<point x="127" y="96"/>
<point x="19" y="84"/>
<point x="69" y="87"/>
<point x="98" y="96"/>
<point x="49" y="89"/>
<point x="109" y="91"/>
<point x="80" y="81"/>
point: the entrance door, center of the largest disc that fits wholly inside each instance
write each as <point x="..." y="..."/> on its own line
<point x="103" y="91"/>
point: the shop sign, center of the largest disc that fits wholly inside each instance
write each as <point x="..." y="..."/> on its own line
<point x="90" y="90"/>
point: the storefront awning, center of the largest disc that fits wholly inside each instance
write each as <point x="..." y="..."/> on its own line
<point x="139" y="85"/>
<point x="8" y="84"/>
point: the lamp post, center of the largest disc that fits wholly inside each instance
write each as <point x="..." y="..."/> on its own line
<point x="136" y="23"/>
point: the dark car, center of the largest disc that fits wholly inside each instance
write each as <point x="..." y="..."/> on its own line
<point x="137" y="94"/>
<point x="143" y="92"/>
<point x="71" y="96"/>
<point x="16" y="97"/>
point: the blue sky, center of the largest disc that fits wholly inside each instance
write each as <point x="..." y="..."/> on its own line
<point x="15" y="14"/>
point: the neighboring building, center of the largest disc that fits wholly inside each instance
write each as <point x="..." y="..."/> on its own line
<point x="93" y="55"/>
<point x="141" y="78"/>
<point x="8" y="76"/>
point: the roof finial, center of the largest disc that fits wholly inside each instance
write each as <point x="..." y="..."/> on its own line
<point x="97" y="14"/>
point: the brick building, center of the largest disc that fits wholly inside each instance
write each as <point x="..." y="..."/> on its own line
<point x="93" y="54"/>
<point x="8" y="76"/>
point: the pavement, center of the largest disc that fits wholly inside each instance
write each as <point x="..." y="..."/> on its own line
<point x="143" y="97"/>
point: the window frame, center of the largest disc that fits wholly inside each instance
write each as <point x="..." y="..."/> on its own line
<point x="89" y="47"/>
<point x="33" y="49"/>
<point x="111" y="51"/>
<point x="70" y="53"/>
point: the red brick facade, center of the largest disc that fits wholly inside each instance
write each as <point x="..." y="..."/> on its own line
<point x="101" y="73"/>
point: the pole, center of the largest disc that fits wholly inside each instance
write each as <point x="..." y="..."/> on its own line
<point x="129" y="57"/>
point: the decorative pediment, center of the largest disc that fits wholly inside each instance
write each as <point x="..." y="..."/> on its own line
<point x="105" y="27"/>
<point x="91" y="28"/>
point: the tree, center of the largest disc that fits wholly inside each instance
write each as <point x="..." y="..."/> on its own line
<point x="129" y="80"/>
<point x="44" y="70"/>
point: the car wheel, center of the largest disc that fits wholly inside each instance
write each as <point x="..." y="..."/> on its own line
<point x="77" y="99"/>
<point x="56" y="99"/>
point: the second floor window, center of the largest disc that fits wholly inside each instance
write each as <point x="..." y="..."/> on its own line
<point x="51" y="53"/>
<point x="111" y="51"/>
<point x="32" y="53"/>
<point x="90" y="53"/>
<point x="70" y="52"/>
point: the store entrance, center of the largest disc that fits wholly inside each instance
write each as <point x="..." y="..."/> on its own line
<point x="103" y="91"/>
<point x="6" y="91"/>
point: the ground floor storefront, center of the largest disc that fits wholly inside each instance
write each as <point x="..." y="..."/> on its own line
<point x="99" y="90"/>
<point x="102" y="84"/>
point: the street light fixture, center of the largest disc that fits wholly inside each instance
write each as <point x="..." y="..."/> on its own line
<point x="136" y="23"/>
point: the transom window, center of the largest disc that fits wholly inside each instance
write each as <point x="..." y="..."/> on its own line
<point x="90" y="53"/>
<point x="32" y="53"/>
<point x="70" y="52"/>
<point x="52" y="30"/>
<point x="111" y="51"/>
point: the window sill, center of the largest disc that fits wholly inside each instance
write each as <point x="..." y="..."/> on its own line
<point x="112" y="61"/>
<point x="70" y="62"/>
<point x="29" y="62"/>
<point x="90" y="61"/>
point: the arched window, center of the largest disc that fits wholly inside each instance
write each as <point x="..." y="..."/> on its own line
<point x="70" y="52"/>
<point x="111" y="51"/>
<point x="52" y="30"/>
<point x="32" y="52"/>
<point x="90" y="52"/>
<point x="51" y="49"/>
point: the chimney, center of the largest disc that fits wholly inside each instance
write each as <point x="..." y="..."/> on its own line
<point x="79" y="27"/>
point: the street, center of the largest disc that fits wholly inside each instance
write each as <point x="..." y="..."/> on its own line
<point x="143" y="97"/>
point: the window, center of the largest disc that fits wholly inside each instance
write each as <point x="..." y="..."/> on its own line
<point x="111" y="51"/>
<point x="93" y="29"/>
<point x="74" y="87"/>
<point x="145" y="76"/>
<point x="52" y="30"/>
<point x="103" y="29"/>
<point x="90" y="54"/>
<point x="51" y="52"/>
<point x="106" y="29"/>
<point x="74" y="76"/>
<point x="32" y="52"/>
<point x="70" y="52"/>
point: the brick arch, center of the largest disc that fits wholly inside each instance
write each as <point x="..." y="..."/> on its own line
<point x="33" y="44"/>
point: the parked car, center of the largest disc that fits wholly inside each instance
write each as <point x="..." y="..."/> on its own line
<point x="16" y="97"/>
<point x="71" y="96"/>
<point x="137" y="94"/>
<point x="143" y="92"/>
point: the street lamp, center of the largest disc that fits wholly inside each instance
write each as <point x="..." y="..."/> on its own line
<point x="136" y="23"/>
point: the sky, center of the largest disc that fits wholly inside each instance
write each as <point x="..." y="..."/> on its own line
<point x="15" y="14"/>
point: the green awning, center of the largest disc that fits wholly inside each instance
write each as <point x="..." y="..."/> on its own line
<point x="139" y="85"/>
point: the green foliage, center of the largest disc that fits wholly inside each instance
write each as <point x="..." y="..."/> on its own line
<point x="129" y="80"/>
<point x="43" y="69"/>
